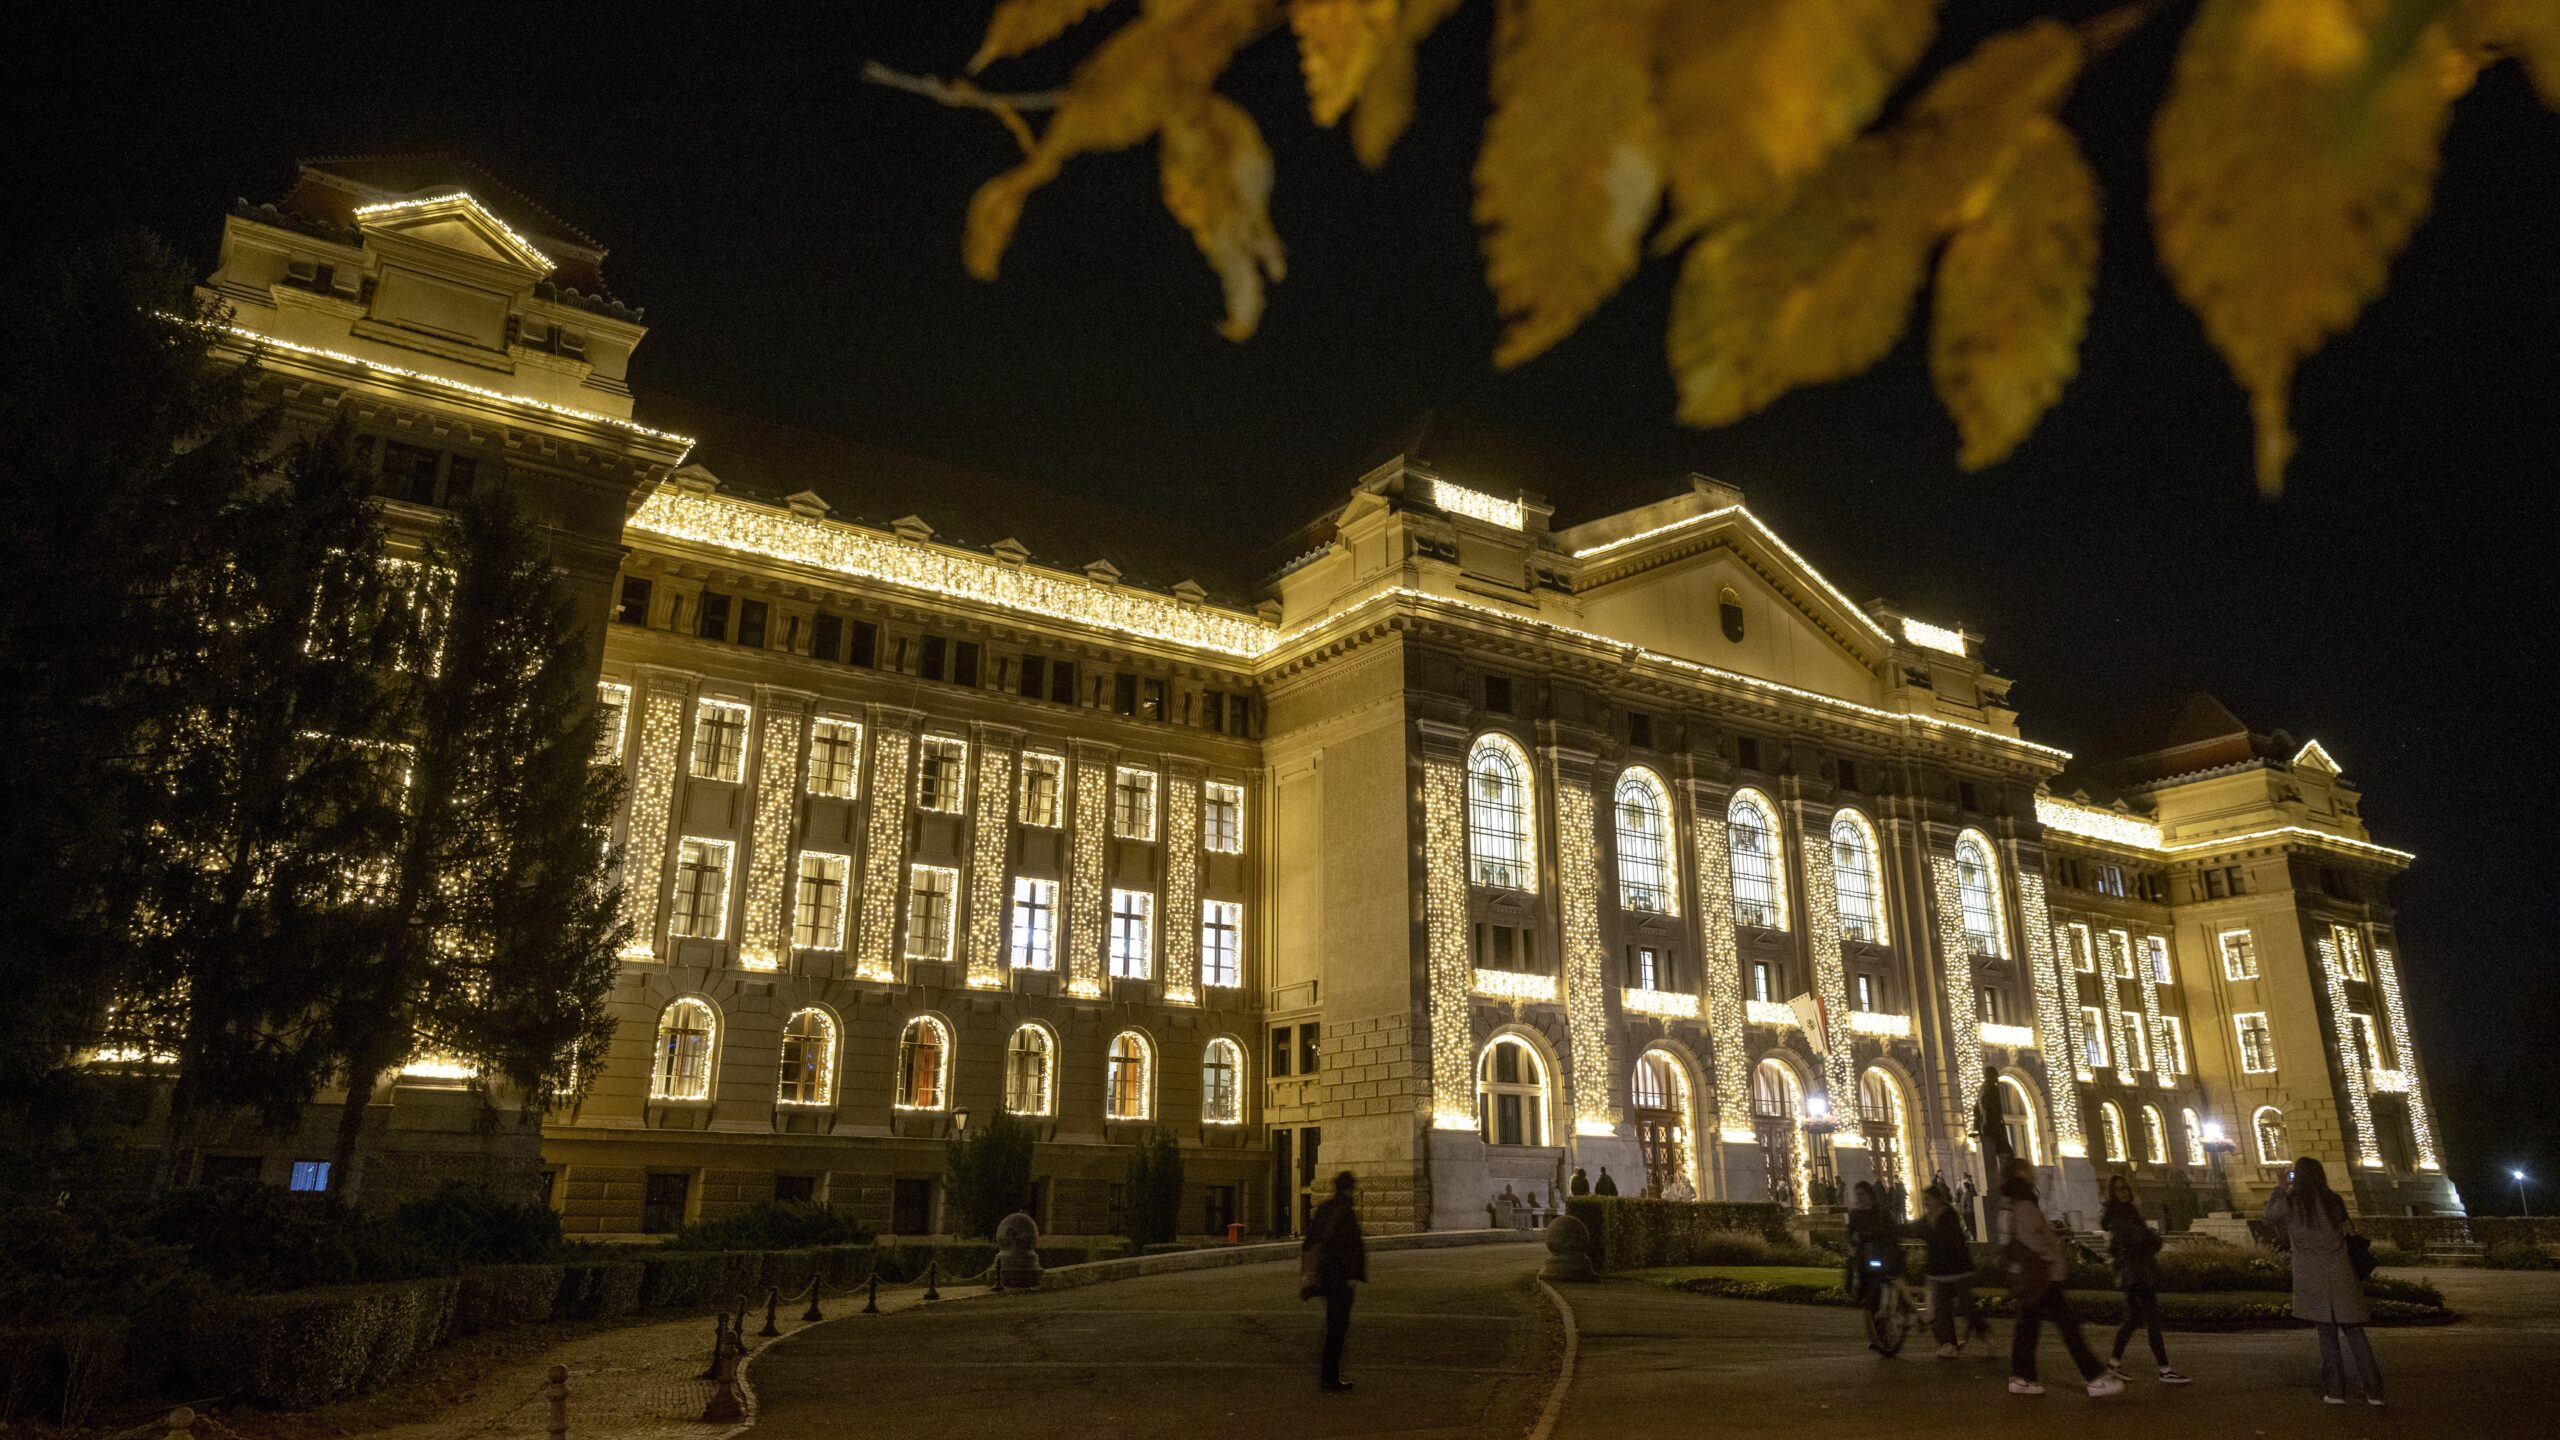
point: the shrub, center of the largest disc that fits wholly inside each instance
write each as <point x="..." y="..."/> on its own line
<point x="2517" y="1255"/>
<point x="314" y="1346"/>
<point x="62" y="1370"/>
<point x="492" y="1297"/>
<point x="676" y="1279"/>
<point x="2392" y="1287"/>
<point x="253" y="1236"/>
<point x="598" y="1289"/>
<point x="469" y="1226"/>
<point x="988" y="1170"/>
<point x="1153" y="1190"/>
<point x="1629" y="1233"/>
<point x="773" y="1225"/>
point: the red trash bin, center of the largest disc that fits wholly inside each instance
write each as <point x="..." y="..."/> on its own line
<point x="1235" y="1234"/>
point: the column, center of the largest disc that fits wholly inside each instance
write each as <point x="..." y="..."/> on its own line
<point x="1450" y="969"/>
<point x="1087" y="896"/>
<point x="990" y="837"/>
<point x="1955" y="956"/>
<point x="2056" y="1021"/>
<point x="663" y="698"/>
<point x="1822" y="936"/>
<point x="884" y="846"/>
<point x="1179" y="923"/>
<point x="1720" y="961"/>
<point x="1586" y="961"/>
<point x="782" y="727"/>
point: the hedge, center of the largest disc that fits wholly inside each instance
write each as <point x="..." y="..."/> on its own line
<point x="2207" y="1310"/>
<point x="308" y="1347"/>
<point x="492" y="1297"/>
<point x="60" y="1371"/>
<point x="1632" y="1234"/>
<point x="598" y="1289"/>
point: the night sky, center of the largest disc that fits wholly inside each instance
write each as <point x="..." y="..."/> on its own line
<point x="794" y="236"/>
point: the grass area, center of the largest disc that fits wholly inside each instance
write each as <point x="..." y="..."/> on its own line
<point x="2181" y="1310"/>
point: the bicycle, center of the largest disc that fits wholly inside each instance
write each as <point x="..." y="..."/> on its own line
<point x="1886" y="1312"/>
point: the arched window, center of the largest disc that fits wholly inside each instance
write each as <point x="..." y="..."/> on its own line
<point x="2018" y="1121"/>
<point x="1777" y="1114"/>
<point x="924" y="1065"/>
<point x="1511" y="1093"/>
<point x="1222" y="1084"/>
<point x="2273" y="1147"/>
<point x="1500" y="850"/>
<point x="1030" y="1069"/>
<point x="808" y="1060"/>
<point x="688" y="1036"/>
<point x="2195" y="1137"/>
<point x="1978" y="895"/>
<point x="1729" y="614"/>
<point x="2155" y="1136"/>
<point x="1644" y="844"/>
<point x="1661" y="1094"/>
<point x="1759" y="876"/>
<point x="1857" y="875"/>
<point x="2111" y="1130"/>
<point x="1128" y="1089"/>
<point x="1887" y="1122"/>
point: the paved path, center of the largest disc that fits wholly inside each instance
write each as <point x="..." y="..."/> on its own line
<point x="1659" y="1362"/>
<point x="1444" y="1343"/>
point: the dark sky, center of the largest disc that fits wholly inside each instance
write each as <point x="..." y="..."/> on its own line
<point x="794" y="237"/>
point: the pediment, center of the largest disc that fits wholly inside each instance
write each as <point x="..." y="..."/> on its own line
<point x="458" y="225"/>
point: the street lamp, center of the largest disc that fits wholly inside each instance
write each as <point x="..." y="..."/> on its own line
<point x="2521" y="1202"/>
<point x="2217" y="1144"/>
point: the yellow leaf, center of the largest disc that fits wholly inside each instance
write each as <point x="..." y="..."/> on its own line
<point x="1217" y="182"/>
<point x="1386" y="101"/>
<point x="1572" y="165"/>
<point x="2529" y="30"/>
<point x="2291" y="161"/>
<point x="1820" y="286"/>
<point x="2013" y="296"/>
<point x="1020" y="25"/>
<point x="1758" y="93"/>
<point x="1121" y="95"/>
<point x="1338" y="45"/>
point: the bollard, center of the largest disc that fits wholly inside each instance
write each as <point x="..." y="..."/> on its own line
<point x="181" y="1423"/>
<point x="719" y="1327"/>
<point x="558" y="1393"/>
<point x="724" y="1407"/>
<point x="871" y="1306"/>
<point x="813" y="1314"/>
<point x="930" y="1267"/>
<point x="772" y="1312"/>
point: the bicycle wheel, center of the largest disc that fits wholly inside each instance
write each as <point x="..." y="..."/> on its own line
<point x="1889" y="1321"/>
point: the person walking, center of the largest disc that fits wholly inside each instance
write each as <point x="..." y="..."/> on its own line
<point x="1967" y="1201"/>
<point x="1897" y="1200"/>
<point x="1875" y="1249"/>
<point x="1949" y="1265"/>
<point x="2326" y="1290"/>
<point x="2038" y="1266"/>
<point x="1333" y="1256"/>
<point x="2135" y="1248"/>
<point x="1581" y="1183"/>
<point x="1604" y="1185"/>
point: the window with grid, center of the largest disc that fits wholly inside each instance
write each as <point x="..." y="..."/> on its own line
<point x="2121" y="960"/>
<point x="1499" y="852"/>
<point x="1133" y="804"/>
<point x="1127" y="1087"/>
<point x="835" y="758"/>
<point x="2239" y="955"/>
<point x="1222" y="1084"/>
<point x="686" y="1035"/>
<point x="2155" y="951"/>
<point x="1043" y="789"/>
<point x="924" y="1075"/>
<point x="1856" y="878"/>
<point x="942" y="774"/>
<point x="2084" y="950"/>
<point x="2155" y="1136"/>
<point x="1221" y="943"/>
<point x="1648" y="967"/>
<point x="2133" y="1047"/>
<point x="1751" y="839"/>
<point x="808" y="1060"/>
<point x="2369" y="1040"/>
<point x="613" y="711"/>
<point x="2273" y="1147"/>
<point x="719" y="740"/>
<point x="817" y="902"/>
<point x="1035" y="923"/>
<point x="702" y="889"/>
<point x="930" y="892"/>
<point x="2350" y="952"/>
<point x="2093" y="1037"/>
<point x="1133" y="934"/>
<point x="1029" y="1062"/>
<point x="2111" y="1130"/>
<point x="2173" y="1045"/>
<point x="1644" y="843"/>
<point x="1222" y="818"/>
<point x="1978" y="895"/>
<point x="2257" y="1043"/>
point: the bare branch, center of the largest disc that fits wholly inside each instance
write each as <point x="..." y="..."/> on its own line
<point x="960" y="94"/>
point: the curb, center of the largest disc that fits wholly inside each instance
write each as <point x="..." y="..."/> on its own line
<point x="1553" y="1410"/>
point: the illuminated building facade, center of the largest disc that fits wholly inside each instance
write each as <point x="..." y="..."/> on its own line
<point x="1470" y="851"/>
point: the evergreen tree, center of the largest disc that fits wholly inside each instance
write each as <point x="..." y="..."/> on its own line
<point x="988" y="1170"/>
<point x="1152" y="1191"/>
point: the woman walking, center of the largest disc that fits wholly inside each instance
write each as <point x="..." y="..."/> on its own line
<point x="1950" y="1273"/>
<point x="2326" y="1291"/>
<point x="2135" y="1248"/>
<point x="2037" y="1267"/>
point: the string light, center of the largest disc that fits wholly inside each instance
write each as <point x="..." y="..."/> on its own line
<point x="1667" y="1004"/>
<point x="2386" y="970"/>
<point x="1958" y="953"/>
<point x="1182" y="887"/>
<point x="1880" y="1025"/>
<point x="1768" y="536"/>
<point x="1586" y="1007"/>
<point x="760" y="945"/>
<point x="1722" y="965"/>
<point x="464" y="198"/>
<point x="1476" y="505"/>
<point x="1085" y="896"/>
<point x="1515" y="986"/>
<point x="1932" y="637"/>
<point x="988" y="837"/>
<point x="2148" y="973"/>
<point x="2115" y="961"/>
<point x="1638" y="538"/>
<point x="2134" y="834"/>
<point x="652" y="798"/>
<point x="261" y="340"/>
<point x="1770" y="1012"/>
<point x="2016" y="1037"/>
<point x="1451" y="971"/>
<point x="2054" y="1016"/>
<point x="1822" y="929"/>
<point x="2359" y="1104"/>
<point x="884" y="853"/>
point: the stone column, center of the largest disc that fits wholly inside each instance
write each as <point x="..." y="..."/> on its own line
<point x="661" y="700"/>
<point x="782" y="729"/>
<point x="1584" y="974"/>
<point x="1179" y="923"/>
<point x="1449" y="969"/>
<point x="990" y="843"/>
<point x="1088" y="896"/>
<point x="2361" y="1142"/>
<point x="2056" y="1021"/>
<point x="884" y="845"/>
<point x="1738" y="1164"/>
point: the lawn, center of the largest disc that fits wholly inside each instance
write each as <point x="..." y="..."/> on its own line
<point x="2191" y="1310"/>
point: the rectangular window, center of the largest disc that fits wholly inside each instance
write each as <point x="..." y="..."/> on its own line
<point x="409" y="472"/>
<point x="1746" y="751"/>
<point x="1639" y="730"/>
<point x="1497" y="694"/>
<point x="702" y="889"/>
<point x="1867" y="992"/>
<point x="1133" y="804"/>
<point x="1648" y="967"/>
<point x="1151" y="700"/>
<point x="1221" y="943"/>
<point x="1032" y="681"/>
<point x="2173" y="1046"/>
<point x="929" y="663"/>
<point x="1035" y="924"/>
<point x="2350" y="952"/>
<point x="751" y="622"/>
<point x="713" y="621"/>
<point x="817" y="909"/>
<point x="1990" y="1006"/>
<point x="942" y="776"/>
<point x="2093" y="1037"/>
<point x="2111" y="880"/>
<point x="2134" y="1048"/>
<point x="1222" y="819"/>
<point x="964" y="663"/>
<point x="719" y="740"/>
<point x="1044" y="781"/>
<point x="634" y="609"/>
<point x="1280" y="1049"/>
<point x="1124" y="694"/>
<point x="1062" y="682"/>
<point x="1848" y="774"/>
<point x="1763" y="984"/>
<point x="2155" y="949"/>
<point x="1310" y="1059"/>
<point x="931" y="890"/>
<point x="2237" y="877"/>
<point x="2239" y="955"/>
<point x="2084" y="952"/>
<point x="310" y="1177"/>
<point x="2370" y="1040"/>
<point x="1213" y="710"/>
<point x="826" y="636"/>
<point x="866" y="645"/>
<point x="2257" y="1043"/>
<point x="2122" y="963"/>
<point x="613" y="712"/>
<point x="1133" y="934"/>
<point x="835" y="758"/>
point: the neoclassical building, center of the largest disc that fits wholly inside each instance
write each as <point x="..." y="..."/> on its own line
<point x="1464" y="851"/>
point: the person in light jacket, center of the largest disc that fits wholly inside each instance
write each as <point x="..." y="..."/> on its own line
<point x="2135" y="1248"/>
<point x="2025" y="1230"/>
<point x="1334" y="1255"/>
<point x="2326" y="1292"/>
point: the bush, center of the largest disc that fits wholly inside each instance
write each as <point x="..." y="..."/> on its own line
<point x="2517" y="1255"/>
<point x="61" y="1371"/>
<point x="467" y="1226"/>
<point x="1628" y="1233"/>
<point x="492" y="1297"/>
<point x="253" y="1236"/>
<point x="598" y="1289"/>
<point x="1153" y="1191"/>
<point x="988" y="1170"/>
<point x="773" y="1225"/>
<point x="677" y="1279"/>
<point x="313" y="1346"/>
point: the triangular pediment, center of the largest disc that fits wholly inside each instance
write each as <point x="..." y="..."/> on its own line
<point x="457" y="224"/>
<point x="2315" y="756"/>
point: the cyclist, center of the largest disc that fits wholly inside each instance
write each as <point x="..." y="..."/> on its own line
<point x="1875" y="1255"/>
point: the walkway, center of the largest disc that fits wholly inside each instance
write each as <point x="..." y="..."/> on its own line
<point x="1444" y="1343"/>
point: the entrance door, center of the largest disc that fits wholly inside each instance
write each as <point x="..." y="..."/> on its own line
<point x="1284" y="1178"/>
<point x="911" y="1207"/>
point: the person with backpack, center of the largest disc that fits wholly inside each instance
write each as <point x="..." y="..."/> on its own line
<point x="1950" y="1270"/>
<point x="2134" y="1247"/>
<point x="2037" y="1265"/>
<point x="2328" y="1277"/>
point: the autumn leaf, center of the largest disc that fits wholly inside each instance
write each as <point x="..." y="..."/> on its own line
<point x="1217" y="182"/>
<point x="1757" y="93"/>
<point x="2291" y="161"/>
<point x="1572" y="163"/>
<point x="1339" y="42"/>
<point x="2529" y="30"/>
<point x="2012" y="296"/>
<point x="1021" y="25"/>
<point x="1162" y="61"/>
<point x="1386" y="100"/>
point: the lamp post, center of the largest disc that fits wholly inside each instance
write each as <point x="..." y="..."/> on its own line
<point x="2521" y="1202"/>
<point x="1818" y="1127"/>
<point x="2217" y="1144"/>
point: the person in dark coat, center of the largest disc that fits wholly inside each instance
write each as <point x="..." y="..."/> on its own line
<point x="1966" y="1199"/>
<point x="1949" y="1267"/>
<point x="1604" y="1185"/>
<point x="2313" y="1220"/>
<point x="1581" y="1183"/>
<point x="1333" y="1256"/>
<point x="2134" y="1247"/>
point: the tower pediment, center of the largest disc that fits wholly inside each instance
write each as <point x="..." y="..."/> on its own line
<point x="456" y="224"/>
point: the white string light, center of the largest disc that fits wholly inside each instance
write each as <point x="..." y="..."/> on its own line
<point x="2359" y="1104"/>
<point x="1721" y="963"/>
<point x="527" y="248"/>
<point x="1476" y="505"/>
<point x="644" y="849"/>
<point x="884" y="853"/>
<point x="260" y="339"/>
<point x="2054" y="1016"/>
<point x="1086" y="898"/>
<point x="2386" y="970"/>
<point x="989" y="835"/>
<point x="1957" y="952"/>
<point x="1451" y="972"/>
<point x="761" y="943"/>
<point x="1586" y="1009"/>
<point x="1932" y="637"/>
<point x="1182" y="887"/>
